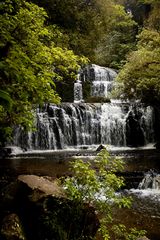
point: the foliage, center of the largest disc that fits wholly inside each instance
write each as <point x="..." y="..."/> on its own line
<point x="31" y="60"/>
<point x="79" y="19"/>
<point x="140" y="76"/>
<point x="154" y="18"/>
<point x="139" y="10"/>
<point x="65" y="220"/>
<point x="5" y="105"/>
<point x="120" y="231"/>
<point x="90" y="26"/>
<point x="118" y="39"/>
<point x="5" y="100"/>
<point x="96" y="184"/>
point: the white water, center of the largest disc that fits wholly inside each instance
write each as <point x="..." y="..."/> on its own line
<point x="78" y="92"/>
<point x="102" y="81"/>
<point x="149" y="186"/>
<point x="101" y="88"/>
<point x="76" y="125"/>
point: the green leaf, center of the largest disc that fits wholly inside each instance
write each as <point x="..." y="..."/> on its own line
<point x="5" y="100"/>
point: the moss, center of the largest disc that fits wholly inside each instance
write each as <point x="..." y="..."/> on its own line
<point x="11" y="228"/>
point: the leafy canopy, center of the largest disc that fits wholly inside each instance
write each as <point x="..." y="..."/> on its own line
<point x="31" y="60"/>
<point x="90" y="26"/>
<point x="140" y="77"/>
<point x="118" y="37"/>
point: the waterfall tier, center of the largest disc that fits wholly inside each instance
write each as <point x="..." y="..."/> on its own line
<point x="101" y="78"/>
<point x="75" y="125"/>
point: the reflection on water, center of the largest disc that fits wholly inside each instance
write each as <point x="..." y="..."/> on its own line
<point x="35" y="165"/>
<point x="144" y="214"/>
<point x="145" y="211"/>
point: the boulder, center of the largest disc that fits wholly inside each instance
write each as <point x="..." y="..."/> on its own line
<point x="9" y="151"/>
<point x="100" y="147"/>
<point x="44" y="185"/>
<point x="44" y="210"/>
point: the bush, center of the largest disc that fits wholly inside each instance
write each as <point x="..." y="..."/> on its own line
<point x="96" y="184"/>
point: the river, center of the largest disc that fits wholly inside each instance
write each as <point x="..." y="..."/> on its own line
<point x="145" y="211"/>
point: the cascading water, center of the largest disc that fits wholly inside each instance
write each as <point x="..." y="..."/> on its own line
<point x="70" y="124"/>
<point x="151" y="180"/>
<point x="82" y="124"/>
<point x="78" y="94"/>
<point x="102" y="80"/>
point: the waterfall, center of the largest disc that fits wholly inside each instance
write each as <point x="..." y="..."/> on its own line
<point x="151" y="180"/>
<point x="78" y="94"/>
<point x="102" y="80"/>
<point x="75" y="125"/>
<point x="82" y="124"/>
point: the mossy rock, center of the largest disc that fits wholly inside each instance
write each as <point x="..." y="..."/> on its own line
<point x="11" y="228"/>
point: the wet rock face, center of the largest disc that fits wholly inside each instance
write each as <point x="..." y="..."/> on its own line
<point x="157" y="126"/>
<point x="134" y="132"/>
<point x="38" y="206"/>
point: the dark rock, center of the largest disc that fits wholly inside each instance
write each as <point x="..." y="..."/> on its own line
<point x="4" y="152"/>
<point x="134" y="133"/>
<point x="45" y="212"/>
<point x="157" y="126"/>
<point x="60" y="218"/>
<point x="45" y="185"/>
<point x="9" y="151"/>
<point x="157" y="145"/>
<point x="100" y="147"/>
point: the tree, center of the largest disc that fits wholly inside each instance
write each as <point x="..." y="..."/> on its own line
<point x="5" y="100"/>
<point x="139" y="78"/>
<point x="95" y="28"/>
<point x="96" y="184"/>
<point x="154" y="18"/>
<point x="118" y="38"/>
<point x="31" y="60"/>
<point x="80" y="20"/>
<point x="138" y="8"/>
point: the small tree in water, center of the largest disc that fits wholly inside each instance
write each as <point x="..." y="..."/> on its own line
<point x="96" y="184"/>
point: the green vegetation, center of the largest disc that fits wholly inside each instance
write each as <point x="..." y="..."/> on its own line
<point x="139" y="78"/>
<point x="38" y="51"/>
<point x="31" y="60"/>
<point x="118" y="37"/>
<point x="94" y="28"/>
<point x="41" y="54"/>
<point x="96" y="184"/>
<point x="5" y="100"/>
